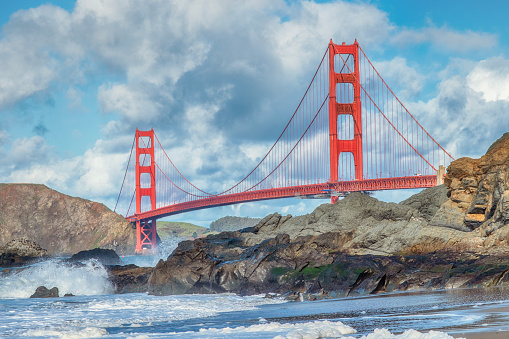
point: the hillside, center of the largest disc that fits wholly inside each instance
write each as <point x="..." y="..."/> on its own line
<point x="230" y="223"/>
<point x="183" y="230"/>
<point x="60" y="223"/>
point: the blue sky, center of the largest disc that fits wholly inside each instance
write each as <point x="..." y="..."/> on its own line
<point x="78" y="77"/>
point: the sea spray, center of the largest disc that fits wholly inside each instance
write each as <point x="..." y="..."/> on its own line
<point x="90" y="278"/>
<point x="163" y="251"/>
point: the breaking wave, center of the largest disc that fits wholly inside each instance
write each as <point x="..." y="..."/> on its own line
<point x="90" y="278"/>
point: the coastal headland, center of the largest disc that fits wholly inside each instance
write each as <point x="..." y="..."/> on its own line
<point x="450" y="236"/>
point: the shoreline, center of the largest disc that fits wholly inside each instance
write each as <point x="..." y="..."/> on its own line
<point x="482" y="335"/>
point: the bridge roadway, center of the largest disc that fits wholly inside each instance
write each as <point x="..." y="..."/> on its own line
<point x="417" y="181"/>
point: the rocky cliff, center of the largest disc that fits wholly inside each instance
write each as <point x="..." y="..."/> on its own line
<point x="453" y="235"/>
<point x="230" y="223"/>
<point x="479" y="191"/>
<point x="59" y="223"/>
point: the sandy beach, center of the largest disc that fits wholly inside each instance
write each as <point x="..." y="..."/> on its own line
<point x="483" y="335"/>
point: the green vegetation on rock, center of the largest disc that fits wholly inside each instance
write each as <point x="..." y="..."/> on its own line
<point x="167" y="229"/>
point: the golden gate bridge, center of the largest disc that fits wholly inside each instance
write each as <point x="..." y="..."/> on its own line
<point x="348" y="133"/>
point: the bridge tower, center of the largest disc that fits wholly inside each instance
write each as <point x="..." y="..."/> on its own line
<point x="145" y="229"/>
<point x="346" y="75"/>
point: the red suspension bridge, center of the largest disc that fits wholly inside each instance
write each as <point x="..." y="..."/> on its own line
<point x="349" y="133"/>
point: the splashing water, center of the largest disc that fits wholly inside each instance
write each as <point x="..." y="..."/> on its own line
<point x="163" y="251"/>
<point x="91" y="278"/>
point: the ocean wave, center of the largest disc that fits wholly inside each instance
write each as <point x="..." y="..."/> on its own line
<point x="91" y="278"/>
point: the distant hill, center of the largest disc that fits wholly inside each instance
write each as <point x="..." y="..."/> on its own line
<point x="230" y="223"/>
<point x="184" y="230"/>
<point x="59" y="223"/>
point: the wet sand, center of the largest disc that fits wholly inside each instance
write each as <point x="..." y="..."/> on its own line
<point x="483" y="335"/>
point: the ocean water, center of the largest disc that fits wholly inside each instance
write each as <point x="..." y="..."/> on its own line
<point x="94" y="311"/>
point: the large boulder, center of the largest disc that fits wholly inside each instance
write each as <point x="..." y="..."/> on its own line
<point x="104" y="256"/>
<point x="130" y="278"/>
<point x="44" y="292"/>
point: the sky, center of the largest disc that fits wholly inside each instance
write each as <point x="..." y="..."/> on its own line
<point x="218" y="81"/>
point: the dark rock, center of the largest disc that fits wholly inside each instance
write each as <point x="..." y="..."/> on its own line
<point x="43" y="292"/>
<point x="130" y="278"/>
<point x="105" y="256"/>
<point x="20" y="252"/>
<point x="303" y="267"/>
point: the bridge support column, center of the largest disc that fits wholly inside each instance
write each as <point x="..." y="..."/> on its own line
<point x="146" y="233"/>
<point x="146" y="236"/>
<point x="440" y="175"/>
<point x="349" y="76"/>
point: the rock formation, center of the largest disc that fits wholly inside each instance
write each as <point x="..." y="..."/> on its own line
<point x="43" y="292"/>
<point x="231" y="223"/>
<point x="130" y="278"/>
<point x="60" y="223"/>
<point x="19" y="252"/>
<point x="479" y="191"/>
<point x="104" y="256"/>
<point x="454" y="235"/>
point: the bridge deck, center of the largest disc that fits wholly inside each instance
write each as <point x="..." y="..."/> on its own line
<point x="421" y="181"/>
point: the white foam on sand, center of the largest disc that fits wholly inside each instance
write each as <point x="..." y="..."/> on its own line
<point x="409" y="334"/>
<point x="308" y="330"/>
<point x="91" y="278"/>
<point x="305" y="330"/>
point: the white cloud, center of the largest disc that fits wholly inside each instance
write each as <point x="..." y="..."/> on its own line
<point x="27" y="151"/>
<point x="300" y="40"/>
<point x="93" y="175"/>
<point x="491" y="78"/>
<point x="447" y="39"/>
<point x="401" y="77"/>
<point x="23" y="73"/>
<point x="37" y="46"/>
<point x="468" y="114"/>
<point x="134" y="105"/>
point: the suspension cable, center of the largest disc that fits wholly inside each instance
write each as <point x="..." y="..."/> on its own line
<point x="125" y="174"/>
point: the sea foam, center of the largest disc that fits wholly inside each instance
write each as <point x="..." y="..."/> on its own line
<point x="305" y="330"/>
<point x="91" y="278"/>
<point x="409" y="334"/>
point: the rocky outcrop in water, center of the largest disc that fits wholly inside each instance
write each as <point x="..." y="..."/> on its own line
<point x="60" y="223"/>
<point x="44" y="292"/>
<point x="104" y="256"/>
<point x="19" y="252"/>
<point x="449" y="236"/>
<point x="130" y="278"/>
